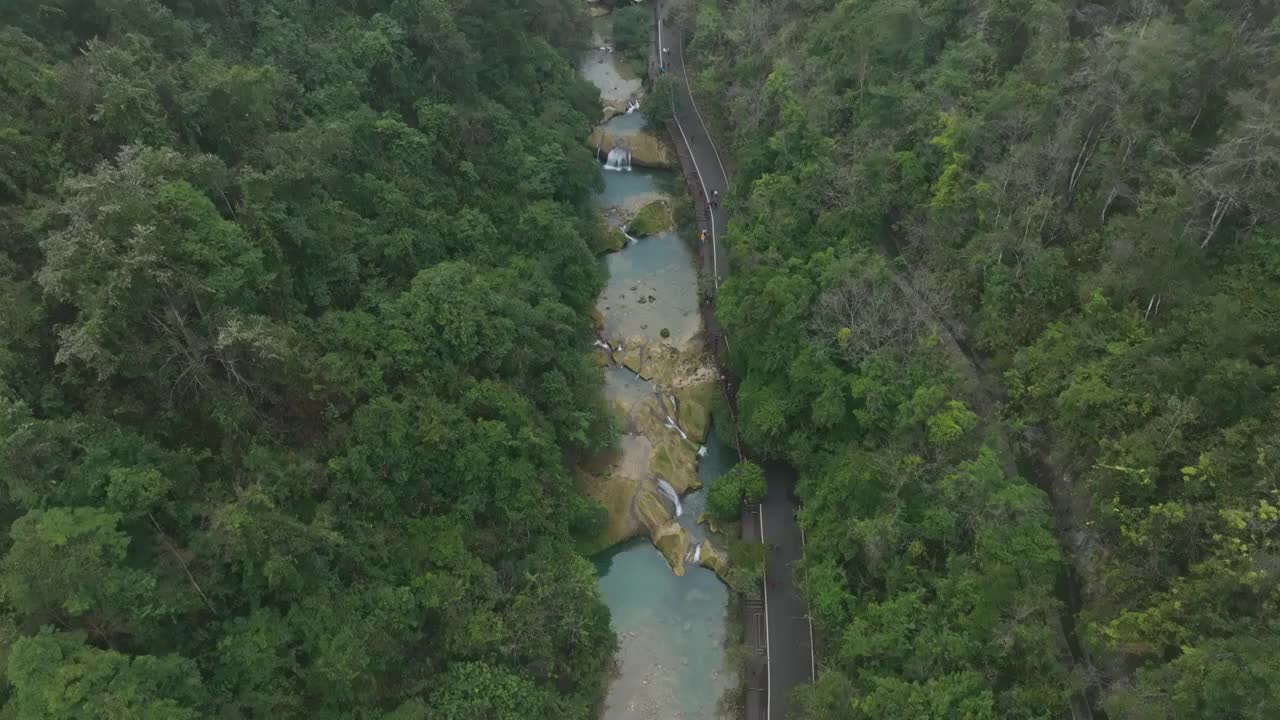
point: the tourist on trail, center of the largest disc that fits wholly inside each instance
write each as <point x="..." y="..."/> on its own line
<point x="703" y="236"/>
<point x="715" y="198"/>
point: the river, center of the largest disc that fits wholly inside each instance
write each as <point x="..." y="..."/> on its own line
<point x="671" y="630"/>
<point x="671" y="662"/>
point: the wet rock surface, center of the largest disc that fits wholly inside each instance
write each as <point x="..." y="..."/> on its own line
<point x="654" y="394"/>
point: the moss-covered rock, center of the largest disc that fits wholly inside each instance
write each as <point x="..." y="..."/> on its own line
<point x="607" y="236"/>
<point x="675" y="461"/>
<point x="634" y="356"/>
<point x="624" y="480"/>
<point x="695" y="409"/>
<point x="616" y="495"/>
<point x="711" y="558"/>
<point x="614" y="240"/>
<point x="652" y="219"/>
<point x="652" y="510"/>
<point x="672" y="541"/>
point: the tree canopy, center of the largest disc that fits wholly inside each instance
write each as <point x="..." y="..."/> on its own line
<point x="293" y="356"/>
<point x="977" y="243"/>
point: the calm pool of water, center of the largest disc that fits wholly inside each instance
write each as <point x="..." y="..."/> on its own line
<point x="660" y="267"/>
<point x="672" y="632"/>
<point x="633" y="189"/>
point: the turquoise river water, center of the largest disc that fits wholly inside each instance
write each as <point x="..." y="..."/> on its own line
<point x="671" y="630"/>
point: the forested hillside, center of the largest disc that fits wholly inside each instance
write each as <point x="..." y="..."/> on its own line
<point x="292" y="355"/>
<point x="998" y="263"/>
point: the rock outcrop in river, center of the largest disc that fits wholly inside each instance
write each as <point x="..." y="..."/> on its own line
<point x="664" y="421"/>
<point x="647" y="149"/>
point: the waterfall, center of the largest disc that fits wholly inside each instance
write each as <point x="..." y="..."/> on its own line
<point x="630" y="238"/>
<point x="697" y="554"/>
<point x="672" y="424"/>
<point x="670" y="492"/>
<point x="619" y="159"/>
<point x="602" y="344"/>
<point x="632" y="106"/>
<point x="702" y="451"/>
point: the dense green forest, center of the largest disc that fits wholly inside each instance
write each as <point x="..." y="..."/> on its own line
<point x="1005" y="288"/>
<point x="293" y="354"/>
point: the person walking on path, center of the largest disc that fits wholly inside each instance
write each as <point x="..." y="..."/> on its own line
<point x="702" y="237"/>
<point x="715" y="198"/>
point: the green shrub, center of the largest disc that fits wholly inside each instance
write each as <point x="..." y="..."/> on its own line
<point x="751" y="482"/>
<point x="746" y="567"/>
<point x="631" y="27"/>
<point x="744" y="482"/>
<point x="724" y="498"/>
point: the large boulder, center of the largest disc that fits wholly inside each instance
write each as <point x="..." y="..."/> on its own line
<point x="653" y="218"/>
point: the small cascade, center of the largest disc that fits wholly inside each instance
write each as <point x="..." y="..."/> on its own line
<point x="702" y="451"/>
<point x="697" y="553"/>
<point x="603" y="344"/>
<point x="632" y="106"/>
<point x="672" y="424"/>
<point x="619" y="159"/>
<point x="670" y="492"/>
<point x="631" y="239"/>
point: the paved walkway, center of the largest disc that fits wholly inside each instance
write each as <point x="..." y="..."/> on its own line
<point x="791" y="660"/>
<point x="787" y="631"/>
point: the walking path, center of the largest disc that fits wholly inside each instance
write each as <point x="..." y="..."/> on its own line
<point x="788" y="631"/>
